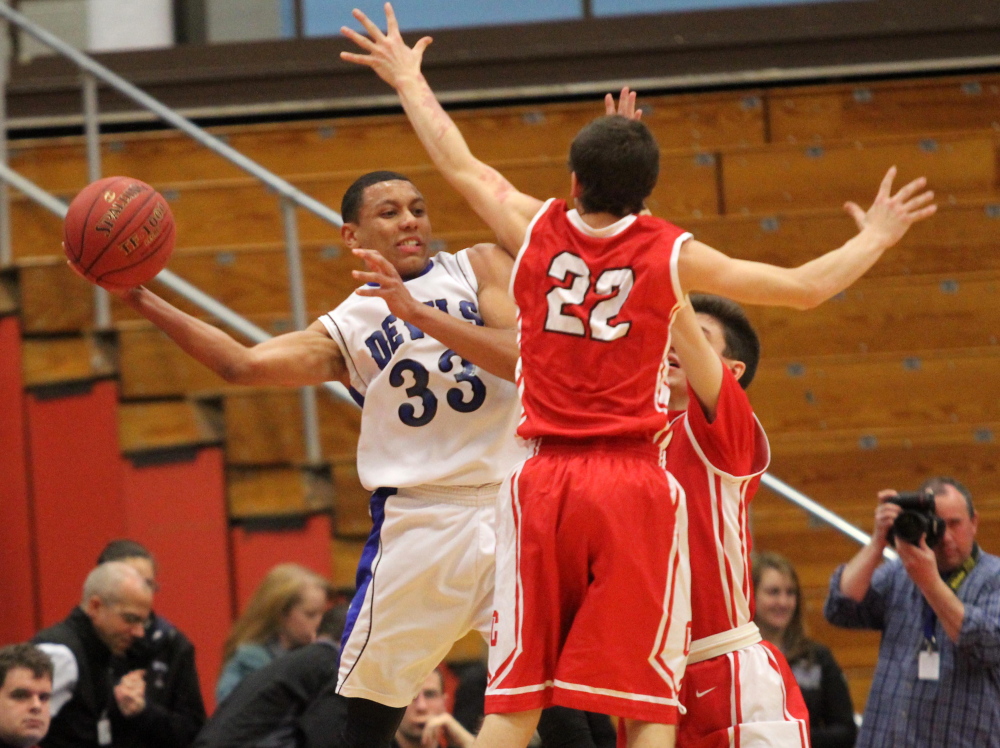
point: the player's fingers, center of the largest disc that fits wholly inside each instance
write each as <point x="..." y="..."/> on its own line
<point x="923" y="213"/>
<point x="908" y="191"/>
<point x="609" y="104"/>
<point x="855" y="212"/>
<point x="358" y="59"/>
<point x="392" y="26"/>
<point x="373" y="258"/>
<point x="885" y="188"/>
<point x="423" y="43"/>
<point x="360" y="39"/>
<point x="373" y="31"/>
<point x="919" y="201"/>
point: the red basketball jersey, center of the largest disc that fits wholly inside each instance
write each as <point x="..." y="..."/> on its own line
<point x="594" y="313"/>
<point x="719" y="466"/>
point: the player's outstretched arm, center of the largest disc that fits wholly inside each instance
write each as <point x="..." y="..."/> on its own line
<point x="701" y="364"/>
<point x="493" y="348"/>
<point x="295" y="359"/>
<point x="702" y="268"/>
<point x="507" y="211"/>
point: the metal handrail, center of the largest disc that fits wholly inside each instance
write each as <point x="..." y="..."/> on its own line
<point x="820" y="512"/>
<point x="290" y="197"/>
<point x="172" y="281"/>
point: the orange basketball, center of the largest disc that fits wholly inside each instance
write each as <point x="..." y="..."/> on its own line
<point x="119" y="232"/>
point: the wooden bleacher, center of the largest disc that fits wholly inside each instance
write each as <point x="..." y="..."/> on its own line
<point x="882" y="386"/>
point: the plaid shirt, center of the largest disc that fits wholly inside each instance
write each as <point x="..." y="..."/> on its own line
<point x="962" y="709"/>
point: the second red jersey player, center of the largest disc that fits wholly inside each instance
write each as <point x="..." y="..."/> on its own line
<point x="738" y="690"/>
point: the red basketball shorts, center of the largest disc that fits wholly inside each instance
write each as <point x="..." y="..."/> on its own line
<point x="744" y="698"/>
<point x="592" y="606"/>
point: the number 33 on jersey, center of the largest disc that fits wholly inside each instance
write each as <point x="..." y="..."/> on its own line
<point x="428" y="416"/>
<point x="595" y="307"/>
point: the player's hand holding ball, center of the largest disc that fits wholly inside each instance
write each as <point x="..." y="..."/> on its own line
<point x="118" y="233"/>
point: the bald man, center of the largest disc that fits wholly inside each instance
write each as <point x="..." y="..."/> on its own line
<point x="86" y="704"/>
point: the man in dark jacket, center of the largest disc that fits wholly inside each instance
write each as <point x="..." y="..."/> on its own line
<point x="174" y="710"/>
<point x="88" y="706"/>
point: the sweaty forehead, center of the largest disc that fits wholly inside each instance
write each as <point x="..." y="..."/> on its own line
<point x="392" y="191"/>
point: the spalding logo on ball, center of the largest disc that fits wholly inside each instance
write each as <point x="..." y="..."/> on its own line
<point x="119" y="232"/>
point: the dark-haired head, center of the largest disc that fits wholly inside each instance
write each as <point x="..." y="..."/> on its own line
<point x="742" y="343"/>
<point x="354" y="198"/>
<point x="26" y="656"/>
<point x="123" y="548"/>
<point x="616" y="161"/>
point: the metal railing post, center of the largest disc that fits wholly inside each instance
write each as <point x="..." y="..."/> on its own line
<point x="102" y="301"/>
<point x="297" y="296"/>
<point x="6" y="248"/>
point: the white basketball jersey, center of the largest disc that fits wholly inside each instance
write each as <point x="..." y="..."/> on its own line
<point x="428" y="416"/>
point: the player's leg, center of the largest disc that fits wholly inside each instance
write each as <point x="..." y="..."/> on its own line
<point x="650" y="734"/>
<point x="513" y="730"/>
<point x="626" y="648"/>
<point x="418" y="584"/>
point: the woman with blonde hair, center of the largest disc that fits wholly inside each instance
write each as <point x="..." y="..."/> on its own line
<point x="282" y="615"/>
<point x="778" y="615"/>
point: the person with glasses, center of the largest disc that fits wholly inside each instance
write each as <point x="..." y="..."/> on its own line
<point x="158" y="669"/>
<point x="89" y="707"/>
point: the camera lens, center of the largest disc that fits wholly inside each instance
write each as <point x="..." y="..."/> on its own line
<point x="909" y="526"/>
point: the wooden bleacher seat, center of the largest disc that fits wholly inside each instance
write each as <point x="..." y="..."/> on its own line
<point x="907" y="313"/>
<point x="166" y="424"/>
<point x="47" y="361"/>
<point x="276" y="491"/>
<point x="153" y="366"/>
<point x="793" y="177"/>
<point x="885" y="108"/>
<point x="693" y="122"/>
<point x="264" y="426"/>
<point x="878" y="390"/>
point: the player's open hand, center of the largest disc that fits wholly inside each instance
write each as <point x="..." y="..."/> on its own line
<point x="388" y="54"/>
<point x="890" y="216"/>
<point x="388" y="284"/>
<point x="625" y="106"/>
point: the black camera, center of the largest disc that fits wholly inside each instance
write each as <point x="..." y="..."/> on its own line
<point x="917" y="518"/>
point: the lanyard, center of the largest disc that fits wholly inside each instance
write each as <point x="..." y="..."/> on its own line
<point x="954" y="582"/>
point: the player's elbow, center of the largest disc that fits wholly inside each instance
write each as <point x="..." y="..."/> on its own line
<point x="240" y="370"/>
<point x="809" y="295"/>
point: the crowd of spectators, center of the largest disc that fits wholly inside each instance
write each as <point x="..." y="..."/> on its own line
<point x="115" y="673"/>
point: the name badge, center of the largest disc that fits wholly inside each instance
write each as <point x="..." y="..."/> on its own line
<point x="929" y="665"/>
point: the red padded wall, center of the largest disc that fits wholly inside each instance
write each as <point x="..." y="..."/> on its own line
<point x="177" y="509"/>
<point x="255" y="551"/>
<point x="17" y="578"/>
<point x="76" y="481"/>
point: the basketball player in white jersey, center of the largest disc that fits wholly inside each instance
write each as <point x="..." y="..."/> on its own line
<point x="437" y="437"/>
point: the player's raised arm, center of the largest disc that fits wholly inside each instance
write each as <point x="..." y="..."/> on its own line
<point x="295" y="359"/>
<point x="702" y="268"/>
<point x="494" y="199"/>
<point x="701" y="364"/>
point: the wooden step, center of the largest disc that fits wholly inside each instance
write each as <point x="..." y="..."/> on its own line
<point x="233" y="211"/>
<point x="164" y="425"/>
<point x="789" y="177"/>
<point x="9" y="301"/>
<point x="878" y="390"/>
<point x="276" y="491"/>
<point x="152" y="365"/>
<point x="79" y="358"/>
<point x="264" y="426"/>
<point x="889" y="314"/>
<point x="866" y="111"/>
<point x="848" y="469"/>
<point x="689" y="122"/>
<point x="345" y="555"/>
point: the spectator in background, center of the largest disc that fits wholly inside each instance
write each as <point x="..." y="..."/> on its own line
<point x="89" y="707"/>
<point x="282" y="615"/>
<point x="265" y="708"/>
<point x="174" y="710"/>
<point x="937" y="681"/>
<point x="779" y="617"/>
<point x="427" y="724"/>
<point x="25" y="691"/>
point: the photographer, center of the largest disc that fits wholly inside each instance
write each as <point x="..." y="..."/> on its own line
<point x="937" y="681"/>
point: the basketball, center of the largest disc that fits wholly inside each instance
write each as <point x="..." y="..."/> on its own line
<point x="119" y="232"/>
